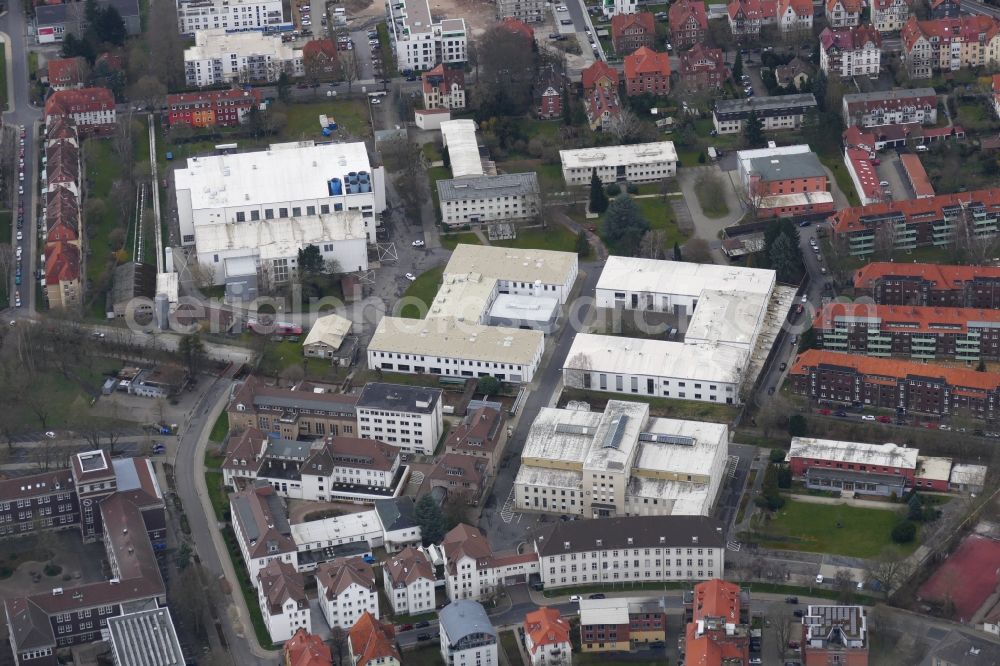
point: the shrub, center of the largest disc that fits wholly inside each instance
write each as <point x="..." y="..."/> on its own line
<point x="905" y="531"/>
<point x="632" y="188"/>
<point x="784" y="478"/>
<point x="701" y="158"/>
<point x="613" y="190"/>
<point x="797" y="425"/>
<point x="777" y="455"/>
<point x="52" y="569"/>
<point x="488" y="385"/>
<point x="6" y="572"/>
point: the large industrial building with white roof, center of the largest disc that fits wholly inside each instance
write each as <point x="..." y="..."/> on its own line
<point x="620" y="462"/>
<point x="247" y="209"/>
<point x="728" y="317"/>
<point x="638" y="163"/>
<point x="489" y="317"/>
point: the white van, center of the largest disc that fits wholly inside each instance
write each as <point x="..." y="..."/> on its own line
<point x="922" y="148"/>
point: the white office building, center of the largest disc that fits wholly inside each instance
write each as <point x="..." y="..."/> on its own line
<point x="408" y="579"/>
<point x="346" y="589"/>
<point x="620" y="462"/>
<point x="645" y="549"/>
<point x="247" y="57"/>
<point x="612" y="7"/>
<point x="283" y="601"/>
<point x="479" y="199"/>
<point x="231" y="15"/>
<point x="467" y="636"/>
<point x="640" y="163"/>
<point x="409" y="417"/>
<point x="288" y="180"/>
<point x="529" y="11"/>
<point x="473" y="570"/>
<point x="420" y="42"/>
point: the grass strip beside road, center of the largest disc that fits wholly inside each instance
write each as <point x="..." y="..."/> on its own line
<point x="424" y="289"/>
<point x="260" y="631"/>
<point x="220" y="429"/>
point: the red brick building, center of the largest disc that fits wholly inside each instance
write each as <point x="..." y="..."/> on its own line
<point x="66" y="73"/>
<point x="890" y="283"/>
<point x="788" y="181"/>
<point x="718" y="625"/>
<point x="320" y="60"/>
<point x="906" y="387"/>
<point x="688" y="23"/>
<point x="703" y="68"/>
<point x="620" y="625"/>
<point x="872" y="469"/>
<point x="549" y="93"/>
<point x="647" y="71"/>
<point x="632" y="31"/>
<point x="218" y="108"/>
<point x="835" y="635"/>
<point x="93" y="109"/>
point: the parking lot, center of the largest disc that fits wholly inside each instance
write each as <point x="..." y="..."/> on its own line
<point x="890" y="170"/>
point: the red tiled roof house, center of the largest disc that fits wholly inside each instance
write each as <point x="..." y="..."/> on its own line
<point x="647" y="71"/>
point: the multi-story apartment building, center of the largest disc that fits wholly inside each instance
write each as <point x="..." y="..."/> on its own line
<point x="91" y="109"/>
<point x="305" y="649"/>
<point x="481" y="434"/>
<point x="850" y="52"/>
<point x="529" y="11"/>
<point x="944" y="8"/>
<point x="632" y="31"/>
<point x="703" y="68"/>
<point x="346" y="589"/>
<point x="444" y="88"/>
<point x="409" y="417"/>
<point x="890" y="283"/>
<point x="639" y="163"/>
<point x="408" y="579"/>
<point x="785" y="182"/>
<point x="908" y="387"/>
<point x="602" y="106"/>
<point x="688" y="23"/>
<point x="260" y="522"/>
<point x="484" y="199"/>
<point x="919" y="332"/>
<point x="835" y="635"/>
<point x="622" y="624"/>
<point x="283" y="601"/>
<point x="780" y="112"/>
<point x="46" y="501"/>
<point x="473" y="570"/>
<point x="640" y="548"/>
<point x="843" y="13"/>
<point x="63" y="271"/>
<point x="549" y="87"/>
<point x="747" y="17"/>
<point x="795" y="17"/>
<point x="214" y="108"/>
<point x="547" y="638"/>
<point x="221" y="57"/>
<point x="230" y="15"/>
<point x="620" y="462"/>
<point x="371" y="643"/>
<point x="717" y="617"/>
<point x="420" y="41"/>
<point x="905" y="225"/>
<point x="647" y="71"/>
<point x="894" y="107"/>
<point x="889" y="15"/>
<point x="290" y="413"/>
<point x="949" y="44"/>
<point x="467" y="637"/>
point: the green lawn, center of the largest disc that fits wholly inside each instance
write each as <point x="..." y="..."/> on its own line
<point x="248" y="590"/>
<point x="424" y="289"/>
<point x="388" y="54"/>
<point x="434" y="174"/>
<point x="221" y="428"/>
<point x="549" y="175"/>
<point x="660" y="215"/>
<point x="836" y="164"/>
<point x="429" y="655"/>
<point x="711" y="204"/>
<point x="303" y="119"/>
<point x="814" y="528"/>
<point x="279" y="356"/>
<point x="431" y="152"/>
<point x="449" y="241"/>
<point x="65" y="403"/>
<point x="213" y="459"/>
<point x="32" y="63"/>
<point x="103" y="168"/>
<point x="533" y="127"/>
<point x="217" y="494"/>
<point x="553" y="237"/>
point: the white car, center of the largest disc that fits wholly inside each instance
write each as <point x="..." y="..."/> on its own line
<point x="411" y="277"/>
<point x="17" y="301"/>
<point x="562" y="8"/>
<point x="819" y="579"/>
<point x="867" y="417"/>
<point x="575" y="597"/>
<point x="417" y="243"/>
<point x="376" y="100"/>
<point x="805" y="298"/>
<point x="50" y="434"/>
<point x="20" y="235"/>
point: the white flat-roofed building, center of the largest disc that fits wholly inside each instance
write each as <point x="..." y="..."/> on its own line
<point x="539" y="313"/>
<point x="518" y="271"/>
<point x="637" y="163"/>
<point x="475" y="200"/>
<point x="336" y="534"/>
<point x="465" y="297"/>
<point x="273" y="245"/>
<point x="288" y="180"/>
<point x="459" y="137"/>
<point x="145" y="638"/>
<point x="244" y="57"/>
<point x="681" y="548"/>
<point x="779" y="112"/>
<point x="967" y="478"/>
<point x="620" y="462"/>
<point x="420" y="42"/>
<point x="234" y="15"/>
<point x="409" y="417"/>
<point x="708" y="372"/>
<point x="444" y="346"/>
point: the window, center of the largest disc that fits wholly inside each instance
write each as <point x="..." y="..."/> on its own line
<point x="241" y="217"/>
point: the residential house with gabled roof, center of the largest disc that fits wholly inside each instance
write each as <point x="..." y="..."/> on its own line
<point x="261" y="525"/>
<point x="213" y="108"/>
<point x="602" y="106"/>
<point x="892" y="107"/>
<point x="835" y="635"/>
<point x="796" y="72"/>
<point x="371" y="642"/>
<point x="632" y="31"/>
<point x="283" y="602"/>
<point x="717" y="624"/>
<point x="444" y="88"/>
<point x="63" y="288"/>
<point x="305" y="649"/>
<point x="62" y="216"/>
<point x="843" y="13"/>
<point x="62" y="166"/>
<point x="518" y="27"/>
<point x="940" y="9"/>
<point x="346" y="588"/>
<point x="320" y="60"/>
<point x="66" y="73"/>
<point x="408" y="578"/>
<point x="599" y="74"/>
<point x="795" y="16"/>
<point x="460" y="476"/>
<point x="647" y="72"/>
<point x="548" y="89"/>
<point x="688" y="23"/>
<point x="946" y="45"/>
<point x="473" y="570"/>
<point x="547" y="638"/>
<point x="889" y="15"/>
<point x="481" y="434"/>
<point x="849" y="52"/>
<point x="899" y="283"/>
<point x="747" y="17"/>
<point x="93" y="109"/>
<point x="703" y="68"/>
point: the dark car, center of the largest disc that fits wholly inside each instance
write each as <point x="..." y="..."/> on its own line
<point x="424" y="637"/>
<point x="841" y="413"/>
<point x="421" y="624"/>
<point x="782" y="367"/>
<point x="794" y="645"/>
<point x="596" y="596"/>
<point x="798" y="613"/>
<point x="791" y="600"/>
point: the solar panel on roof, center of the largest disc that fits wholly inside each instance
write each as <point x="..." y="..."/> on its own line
<point x="613" y="438"/>
<point x="572" y="429"/>
<point x="660" y="438"/>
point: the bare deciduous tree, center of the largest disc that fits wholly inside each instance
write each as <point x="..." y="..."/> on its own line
<point x="888" y="570"/>
<point x="626" y="127"/>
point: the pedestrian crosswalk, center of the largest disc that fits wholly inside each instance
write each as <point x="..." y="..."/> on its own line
<point x="507" y="510"/>
<point x="731" y="467"/>
<point x="734" y="546"/>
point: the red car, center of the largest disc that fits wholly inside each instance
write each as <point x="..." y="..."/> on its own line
<point x="405" y="627"/>
<point x="824" y="412"/>
<point x="883" y="419"/>
<point x="931" y="426"/>
<point x="793" y="645"/>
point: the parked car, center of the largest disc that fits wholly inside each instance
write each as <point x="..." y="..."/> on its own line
<point x="841" y="413"/>
<point x="867" y="417"/>
<point x="405" y="627"/>
<point x="421" y="625"/>
<point x="596" y="596"/>
<point x="782" y="367"/>
<point x="424" y="637"/>
<point x="575" y="597"/>
<point x="791" y="600"/>
<point x="819" y="579"/>
<point x="798" y="613"/>
<point x="883" y="419"/>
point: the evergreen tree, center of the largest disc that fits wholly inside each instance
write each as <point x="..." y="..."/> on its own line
<point x="598" y="199"/>
<point x="677" y="252"/>
<point x="582" y="244"/>
<point x="431" y="519"/>
<point x="624" y="226"/>
<point x="738" y="67"/>
<point x="753" y="133"/>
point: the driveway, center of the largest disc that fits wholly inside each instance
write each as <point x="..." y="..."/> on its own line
<point x="704" y="226"/>
<point x="891" y="171"/>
